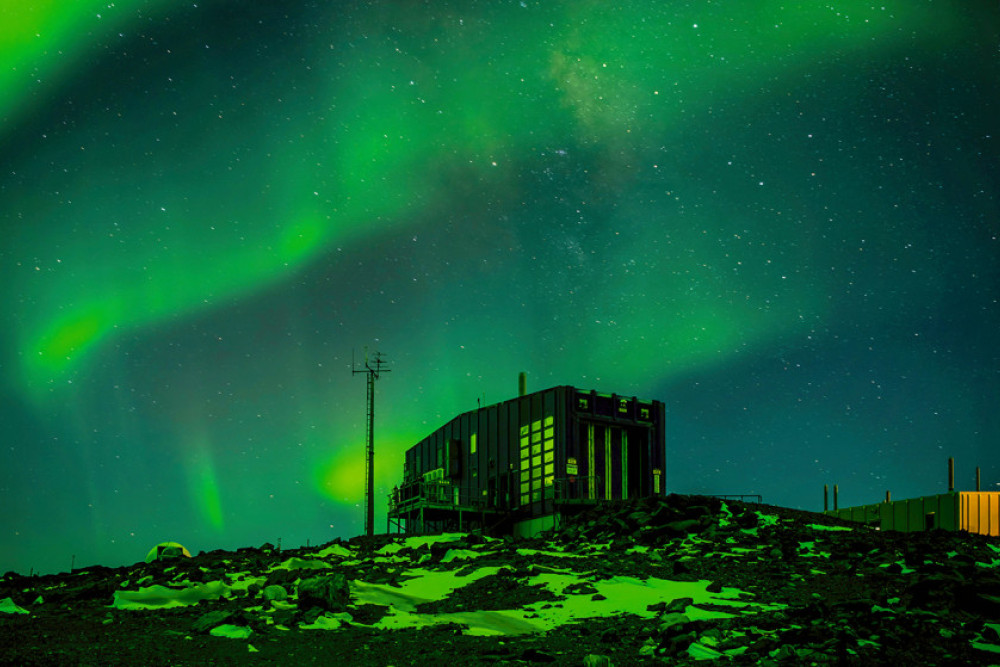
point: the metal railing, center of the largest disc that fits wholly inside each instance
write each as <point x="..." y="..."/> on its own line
<point x="579" y="489"/>
<point x="436" y="492"/>
<point x="575" y="489"/>
<point x="757" y="499"/>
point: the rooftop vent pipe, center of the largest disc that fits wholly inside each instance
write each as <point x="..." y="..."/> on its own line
<point x="522" y="383"/>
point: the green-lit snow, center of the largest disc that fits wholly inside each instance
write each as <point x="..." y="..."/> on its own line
<point x="335" y="550"/>
<point x="983" y="645"/>
<point x="424" y="586"/>
<point x="161" y="597"/>
<point x="7" y="606"/>
<point x="623" y="595"/>
<point x="231" y="631"/>
<point x="296" y="563"/>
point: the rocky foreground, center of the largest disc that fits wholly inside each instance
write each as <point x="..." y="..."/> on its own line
<point x="677" y="580"/>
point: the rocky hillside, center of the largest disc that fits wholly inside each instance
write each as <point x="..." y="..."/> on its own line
<point x="676" y="580"/>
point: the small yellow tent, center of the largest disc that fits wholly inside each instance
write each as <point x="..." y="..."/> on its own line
<point x="167" y="550"/>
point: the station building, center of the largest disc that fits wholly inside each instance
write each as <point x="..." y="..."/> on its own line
<point x="519" y="466"/>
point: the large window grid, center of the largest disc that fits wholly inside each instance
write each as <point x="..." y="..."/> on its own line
<point x="537" y="440"/>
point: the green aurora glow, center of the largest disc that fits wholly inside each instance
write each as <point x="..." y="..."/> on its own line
<point x="206" y="207"/>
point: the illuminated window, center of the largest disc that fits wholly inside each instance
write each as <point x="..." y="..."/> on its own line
<point x="472" y="443"/>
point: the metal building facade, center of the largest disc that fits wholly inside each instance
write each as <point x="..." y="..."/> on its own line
<point x="970" y="511"/>
<point x="529" y="458"/>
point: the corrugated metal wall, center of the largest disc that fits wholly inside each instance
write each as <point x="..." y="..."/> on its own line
<point x="505" y="453"/>
<point x="526" y="451"/>
<point x="980" y="512"/>
<point x="927" y="513"/>
<point x="972" y="511"/>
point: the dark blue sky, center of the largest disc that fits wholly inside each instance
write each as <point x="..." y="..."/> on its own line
<point x="781" y="220"/>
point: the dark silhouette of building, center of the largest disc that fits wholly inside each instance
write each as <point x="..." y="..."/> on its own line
<point x="519" y="466"/>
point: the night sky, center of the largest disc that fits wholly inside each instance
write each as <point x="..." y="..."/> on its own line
<point x="782" y="219"/>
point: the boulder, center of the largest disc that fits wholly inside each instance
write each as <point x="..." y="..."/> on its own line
<point x="275" y="592"/>
<point x="678" y="605"/>
<point x="210" y="620"/>
<point x="328" y="592"/>
<point x="672" y="623"/>
<point x="579" y="588"/>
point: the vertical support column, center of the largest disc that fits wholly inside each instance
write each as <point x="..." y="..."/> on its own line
<point x="591" y="477"/>
<point x="836" y="488"/>
<point x="978" y="488"/>
<point x="826" y="497"/>
<point x="608" y="463"/>
<point x="951" y="474"/>
<point x="370" y="460"/>
<point x="624" y="464"/>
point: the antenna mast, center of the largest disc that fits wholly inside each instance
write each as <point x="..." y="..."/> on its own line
<point x="373" y="367"/>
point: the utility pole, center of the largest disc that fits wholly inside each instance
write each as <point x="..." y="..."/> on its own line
<point x="373" y="367"/>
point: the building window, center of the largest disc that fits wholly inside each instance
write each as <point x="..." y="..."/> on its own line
<point x="472" y="443"/>
<point x="525" y="464"/>
<point x="537" y="440"/>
